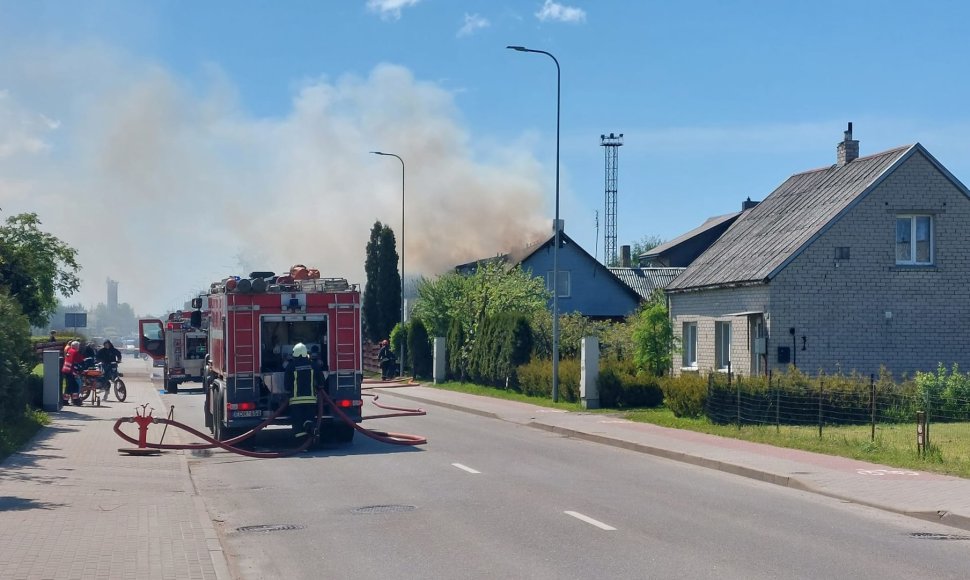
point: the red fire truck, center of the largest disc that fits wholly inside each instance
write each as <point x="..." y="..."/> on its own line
<point x="178" y="345"/>
<point x="254" y="323"/>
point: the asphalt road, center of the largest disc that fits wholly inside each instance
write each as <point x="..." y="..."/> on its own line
<point x="489" y="499"/>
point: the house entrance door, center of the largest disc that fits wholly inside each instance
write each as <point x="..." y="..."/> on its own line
<point x="759" y="346"/>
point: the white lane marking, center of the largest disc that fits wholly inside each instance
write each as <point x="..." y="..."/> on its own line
<point x="884" y="472"/>
<point x="465" y="468"/>
<point x="590" y="521"/>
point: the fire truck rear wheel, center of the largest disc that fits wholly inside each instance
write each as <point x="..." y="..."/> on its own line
<point x="344" y="433"/>
<point x="171" y="387"/>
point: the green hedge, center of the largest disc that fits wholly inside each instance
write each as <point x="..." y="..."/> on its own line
<point x="621" y="385"/>
<point x="685" y="395"/>
<point x="535" y="379"/>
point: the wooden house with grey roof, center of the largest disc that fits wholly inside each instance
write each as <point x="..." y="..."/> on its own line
<point x="585" y="285"/>
<point x="855" y="266"/>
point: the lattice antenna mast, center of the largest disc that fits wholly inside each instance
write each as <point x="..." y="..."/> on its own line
<point x="611" y="145"/>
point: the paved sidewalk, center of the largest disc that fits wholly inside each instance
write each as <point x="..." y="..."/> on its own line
<point x="929" y="496"/>
<point x="71" y="506"/>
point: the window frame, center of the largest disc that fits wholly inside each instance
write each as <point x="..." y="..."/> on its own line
<point x="722" y="345"/>
<point x="689" y="340"/>
<point x="913" y="218"/>
<point x="565" y="280"/>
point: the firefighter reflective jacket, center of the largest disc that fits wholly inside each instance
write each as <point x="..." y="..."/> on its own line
<point x="300" y="377"/>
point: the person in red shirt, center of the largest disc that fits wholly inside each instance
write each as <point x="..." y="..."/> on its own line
<point x="72" y="356"/>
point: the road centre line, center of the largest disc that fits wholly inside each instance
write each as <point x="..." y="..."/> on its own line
<point x="590" y="521"/>
<point x="465" y="468"/>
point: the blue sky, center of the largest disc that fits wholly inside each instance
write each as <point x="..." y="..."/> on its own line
<point x="174" y="142"/>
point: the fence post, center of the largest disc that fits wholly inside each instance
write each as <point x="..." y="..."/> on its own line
<point x="872" y="389"/>
<point x="737" y="397"/>
<point x="926" y="427"/>
<point x="820" y="382"/>
<point x="777" y="404"/>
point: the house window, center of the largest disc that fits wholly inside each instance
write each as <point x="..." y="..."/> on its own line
<point x="914" y="239"/>
<point x="690" y="345"/>
<point x="722" y="345"/>
<point x="564" y="286"/>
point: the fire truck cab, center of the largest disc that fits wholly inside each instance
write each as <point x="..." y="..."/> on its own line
<point x="179" y="345"/>
<point x="254" y="324"/>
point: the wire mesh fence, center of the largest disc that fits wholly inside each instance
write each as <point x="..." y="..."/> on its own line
<point x="928" y="412"/>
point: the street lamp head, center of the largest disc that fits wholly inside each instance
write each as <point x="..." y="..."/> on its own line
<point x="378" y="153"/>
<point x="518" y="48"/>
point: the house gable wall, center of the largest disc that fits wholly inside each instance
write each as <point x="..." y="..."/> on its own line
<point x="864" y="312"/>
<point x="593" y="290"/>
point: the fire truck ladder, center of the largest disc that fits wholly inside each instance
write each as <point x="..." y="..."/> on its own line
<point x="346" y="339"/>
<point x="244" y="344"/>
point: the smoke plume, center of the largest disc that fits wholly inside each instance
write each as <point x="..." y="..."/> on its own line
<point x="166" y="187"/>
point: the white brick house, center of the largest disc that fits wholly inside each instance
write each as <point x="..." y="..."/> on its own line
<point x="861" y="264"/>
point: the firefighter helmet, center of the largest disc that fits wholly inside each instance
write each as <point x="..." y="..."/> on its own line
<point x="299" y="349"/>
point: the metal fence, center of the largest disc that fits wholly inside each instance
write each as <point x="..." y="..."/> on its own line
<point x="928" y="412"/>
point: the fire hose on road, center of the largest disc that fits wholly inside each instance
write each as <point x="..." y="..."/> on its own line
<point x="145" y="419"/>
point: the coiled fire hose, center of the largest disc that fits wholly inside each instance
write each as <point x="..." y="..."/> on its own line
<point x="322" y="399"/>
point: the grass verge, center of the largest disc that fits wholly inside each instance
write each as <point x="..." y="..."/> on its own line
<point x="894" y="444"/>
<point x="18" y="430"/>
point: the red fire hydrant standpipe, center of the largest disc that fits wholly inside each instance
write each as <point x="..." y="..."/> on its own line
<point x="146" y="419"/>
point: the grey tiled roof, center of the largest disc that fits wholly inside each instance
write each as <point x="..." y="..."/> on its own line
<point x="646" y="280"/>
<point x="708" y="224"/>
<point x="765" y="238"/>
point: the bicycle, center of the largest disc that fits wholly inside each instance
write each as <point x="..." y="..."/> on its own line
<point x="95" y="381"/>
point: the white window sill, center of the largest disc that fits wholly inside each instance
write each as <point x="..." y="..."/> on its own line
<point x="689" y="369"/>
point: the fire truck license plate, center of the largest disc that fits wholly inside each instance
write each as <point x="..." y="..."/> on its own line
<point x="256" y="413"/>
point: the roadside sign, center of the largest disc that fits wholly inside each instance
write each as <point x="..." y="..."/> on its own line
<point x="75" y="319"/>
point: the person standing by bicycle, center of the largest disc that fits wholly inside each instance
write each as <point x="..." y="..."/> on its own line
<point x="72" y="358"/>
<point x="109" y="357"/>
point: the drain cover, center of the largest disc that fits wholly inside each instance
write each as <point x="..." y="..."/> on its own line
<point x="383" y="509"/>
<point x="269" y="528"/>
<point x="932" y="536"/>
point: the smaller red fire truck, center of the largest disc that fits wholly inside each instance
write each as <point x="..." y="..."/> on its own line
<point x="179" y="345"/>
<point x="255" y="322"/>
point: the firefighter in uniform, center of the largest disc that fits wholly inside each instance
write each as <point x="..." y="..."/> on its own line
<point x="301" y="377"/>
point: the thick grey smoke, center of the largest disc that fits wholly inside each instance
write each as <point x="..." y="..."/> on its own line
<point x="166" y="188"/>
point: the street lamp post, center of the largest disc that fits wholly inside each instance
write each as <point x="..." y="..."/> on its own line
<point x="403" y="342"/>
<point x="555" y="249"/>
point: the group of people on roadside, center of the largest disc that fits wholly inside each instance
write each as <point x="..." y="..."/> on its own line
<point x="78" y="358"/>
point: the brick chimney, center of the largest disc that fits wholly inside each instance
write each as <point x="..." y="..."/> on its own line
<point x="748" y="204"/>
<point x="848" y="148"/>
<point x="625" y="256"/>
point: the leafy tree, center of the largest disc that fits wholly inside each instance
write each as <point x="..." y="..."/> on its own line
<point x="653" y="337"/>
<point x="643" y="245"/>
<point x="35" y="266"/>
<point x="382" y="293"/>
<point x="469" y="299"/>
<point x="572" y="328"/>
<point x="112" y="325"/>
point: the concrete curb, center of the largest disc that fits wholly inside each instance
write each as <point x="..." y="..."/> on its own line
<point x="784" y="480"/>
<point x="217" y="554"/>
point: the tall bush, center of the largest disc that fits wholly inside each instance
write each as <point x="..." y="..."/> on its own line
<point x="419" y="346"/>
<point x="457" y="352"/>
<point x="15" y="357"/>
<point x="504" y="342"/>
